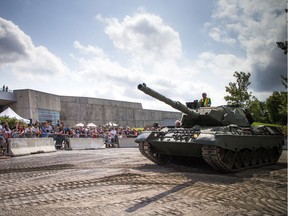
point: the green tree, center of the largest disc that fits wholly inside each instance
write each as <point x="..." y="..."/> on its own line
<point x="258" y="110"/>
<point x="238" y="90"/>
<point x="283" y="46"/>
<point x="284" y="81"/>
<point x="277" y="107"/>
<point x="10" y="121"/>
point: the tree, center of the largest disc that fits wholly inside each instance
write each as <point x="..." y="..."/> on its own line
<point x="283" y="46"/>
<point x="284" y="81"/>
<point x="239" y="94"/>
<point x="258" y="110"/>
<point x="277" y="107"/>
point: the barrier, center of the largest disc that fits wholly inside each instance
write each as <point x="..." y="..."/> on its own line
<point x="26" y="146"/>
<point x="128" y="142"/>
<point x="86" y="143"/>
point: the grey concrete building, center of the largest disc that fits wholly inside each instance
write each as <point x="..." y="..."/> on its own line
<point x="41" y="106"/>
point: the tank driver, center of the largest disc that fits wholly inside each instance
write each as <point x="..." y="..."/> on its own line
<point x="205" y="101"/>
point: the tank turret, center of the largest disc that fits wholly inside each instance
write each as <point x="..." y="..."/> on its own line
<point x="203" y="116"/>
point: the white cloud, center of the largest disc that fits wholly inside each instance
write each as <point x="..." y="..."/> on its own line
<point x="145" y="36"/>
<point x="13" y="42"/>
<point x="220" y="36"/>
<point x="255" y="24"/>
<point x="97" y="75"/>
<point x="89" y="50"/>
<point x="152" y="51"/>
<point x="254" y="27"/>
<point x="18" y="53"/>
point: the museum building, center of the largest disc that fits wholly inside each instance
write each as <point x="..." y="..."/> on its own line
<point x="42" y="106"/>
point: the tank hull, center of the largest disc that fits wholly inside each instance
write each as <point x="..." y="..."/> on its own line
<point x="223" y="149"/>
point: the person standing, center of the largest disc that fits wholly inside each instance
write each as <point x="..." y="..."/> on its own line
<point x="205" y="101"/>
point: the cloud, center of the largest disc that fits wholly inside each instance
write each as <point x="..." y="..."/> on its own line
<point x="13" y="42"/>
<point x="89" y="50"/>
<point x="145" y="36"/>
<point x="220" y="36"/>
<point x="147" y="50"/>
<point x="21" y="57"/>
<point x="101" y="75"/>
<point x="255" y="27"/>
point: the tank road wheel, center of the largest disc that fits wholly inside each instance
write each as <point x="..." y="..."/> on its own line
<point x="229" y="159"/>
<point x="246" y="158"/>
<point x="238" y="160"/>
<point x="260" y="154"/>
<point x="254" y="157"/>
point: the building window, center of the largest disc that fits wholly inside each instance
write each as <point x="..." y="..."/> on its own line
<point x="48" y="115"/>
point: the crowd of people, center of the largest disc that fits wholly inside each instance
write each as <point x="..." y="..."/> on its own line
<point x="47" y="129"/>
<point x="60" y="131"/>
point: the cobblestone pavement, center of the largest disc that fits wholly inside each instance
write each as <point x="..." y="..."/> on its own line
<point x="122" y="182"/>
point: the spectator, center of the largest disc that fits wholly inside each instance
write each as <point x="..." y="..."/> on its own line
<point x="15" y="131"/>
<point x="7" y="131"/>
<point x="6" y="88"/>
<point x="3" y="89"/>
<point x="46" y="130"/>
<point x="3" y="143"/>
<point x="30" y="131"/>
<point x="37" y="129"/>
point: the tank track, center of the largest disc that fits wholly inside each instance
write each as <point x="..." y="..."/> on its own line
<point x="223" y="160"/>
<point x="146" y="151"/>
<point x="218" y="158"/>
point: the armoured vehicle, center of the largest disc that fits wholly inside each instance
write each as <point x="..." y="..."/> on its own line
<point x="222" y="136"/>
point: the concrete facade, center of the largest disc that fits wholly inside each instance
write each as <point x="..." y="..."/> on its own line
<point x="73" y="110"/>
<point x="29" y="101"/>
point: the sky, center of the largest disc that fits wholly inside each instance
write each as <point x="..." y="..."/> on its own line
<point x="179" y="48"/>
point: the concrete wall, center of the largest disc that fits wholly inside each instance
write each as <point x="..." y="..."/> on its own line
<point x="29" y="101"/>
<point x="83" y="109"/>
<point x="101" y="111"/>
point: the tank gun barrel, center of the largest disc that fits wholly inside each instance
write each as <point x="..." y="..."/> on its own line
<point x="175" y="104"/>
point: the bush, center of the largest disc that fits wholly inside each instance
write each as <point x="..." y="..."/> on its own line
<point x="11" y="121"/>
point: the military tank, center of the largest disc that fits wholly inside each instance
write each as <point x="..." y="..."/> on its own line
<point x="222" y="136"/>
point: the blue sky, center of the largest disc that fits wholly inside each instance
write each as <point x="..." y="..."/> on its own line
<point x="104" y="49"/>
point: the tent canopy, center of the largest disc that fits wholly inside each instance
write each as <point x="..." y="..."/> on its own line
<point x="11" y="114"/>
<point x="91" y="125"/>
<point x="79" y="125"/>
<point x="111" y="124"/>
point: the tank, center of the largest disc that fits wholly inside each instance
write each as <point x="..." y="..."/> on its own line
<point x="223" y="136"/>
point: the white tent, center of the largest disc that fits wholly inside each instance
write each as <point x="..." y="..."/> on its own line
<point x="11" y="114"/>
<point x="79" y="125"/>
<point x="91" y="125"/>
<point x="111" y="124"/>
